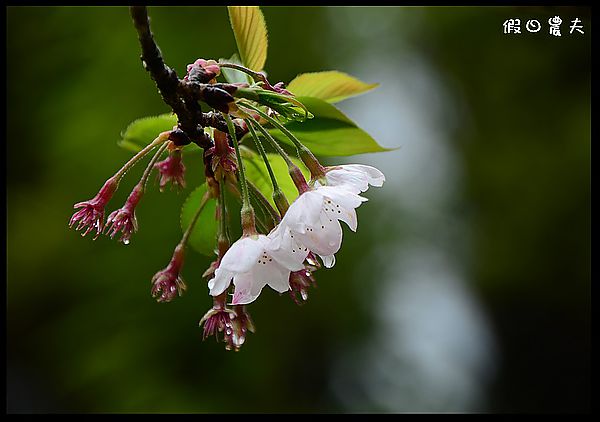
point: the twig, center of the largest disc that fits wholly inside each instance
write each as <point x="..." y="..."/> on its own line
<point x="166" y="78"/>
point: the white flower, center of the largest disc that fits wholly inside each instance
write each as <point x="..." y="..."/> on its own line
<point x="253" y="263"/>
<point x="355" y="178"/>
<point x="312" y="221"/>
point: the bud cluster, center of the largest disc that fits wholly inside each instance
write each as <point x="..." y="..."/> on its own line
<point x="283" y="253"/>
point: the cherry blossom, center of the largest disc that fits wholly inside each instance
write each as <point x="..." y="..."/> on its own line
<point x="313" y="220"/>
<point x="252" y="263"/>
<point x="355" y="178"/>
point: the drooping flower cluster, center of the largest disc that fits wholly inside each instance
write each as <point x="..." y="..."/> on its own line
<point x="280" y="247"/>
<point x="311" y="225"/>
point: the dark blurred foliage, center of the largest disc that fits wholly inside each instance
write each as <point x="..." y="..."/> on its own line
<point x="83" y="332"/>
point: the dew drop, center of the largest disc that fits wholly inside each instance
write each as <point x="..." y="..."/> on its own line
<point x="304" y="294"/>
<point x="126" y="241"/>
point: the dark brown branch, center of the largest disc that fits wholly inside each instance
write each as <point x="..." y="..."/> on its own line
<point x="217" y="121"/>
<point x="183" y="95"/>
<point x="166" y="79"/>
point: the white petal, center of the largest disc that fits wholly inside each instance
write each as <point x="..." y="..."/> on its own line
<point x="355" y="178"/>
<point x="335" y="210"/>
<point x="273" y="274"/>
<point x="288" y="252"/>
<point x="276" y="236"/>
<point x="328" y="261"/>
<point x="374" y="176"/>
<point x="348" y="216"/>
<point x="304" y="210"/>
<point x="356" y="182"/>
<point x="246" y="288"/>
<point x="323" y="238"/>
<point x="219" y="283"/>
<point x="242" y="255"/>
<point x="342" y="197"/>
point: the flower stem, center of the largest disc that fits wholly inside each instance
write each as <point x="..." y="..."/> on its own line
<point x="278" y="196"/>
<point x="263" y="154"/>
<point x="236" y="192"/>
<point x="317" y="171"/>
<point x="164" y="136"/>
<point x="189" y="229"/>
<point x="264" y="202"/>
<point x="295" y="172"/>
<point x="268" y="137"/>
<point x="248" y="219"/>
<point x="150" y="166"/>
<point x="255" y="75"/>
<point x="222" y="237"/>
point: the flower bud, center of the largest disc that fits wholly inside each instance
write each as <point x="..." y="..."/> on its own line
<point x="91" y="215"/>
<point x="124" y="219"/>
<point x="171" y="170"/>
<point x="202" y="71"/>
<point x="167" y="283"/>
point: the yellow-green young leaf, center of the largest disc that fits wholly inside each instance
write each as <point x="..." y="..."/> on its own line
<point x="231" y="75"/>
<point x="142" y="131"/>
<point x="250" y="31"/>
<point x="331" y="86"/>
<point x="204" y="234"/>
<point x="256" y="172"/>
<point x="329" y="132"/>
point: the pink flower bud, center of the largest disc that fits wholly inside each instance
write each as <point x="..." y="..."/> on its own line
<point x="203" y="71"/>
<point x="223" y="159"/>
<point x="124" y="219"/>
<point x="167" y="283"/>
<point x="91" y="215"/>
<point x="171" y="170"/>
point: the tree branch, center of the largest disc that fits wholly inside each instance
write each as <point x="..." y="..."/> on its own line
<point x="166" y="78"/>
<point x="182" y="95"/>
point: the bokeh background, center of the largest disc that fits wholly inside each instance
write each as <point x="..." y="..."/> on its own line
<point x="465" y="289"/>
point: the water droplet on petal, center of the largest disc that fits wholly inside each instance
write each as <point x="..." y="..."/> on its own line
<point x="126" y="241"/>
<point x="304" y="294"/>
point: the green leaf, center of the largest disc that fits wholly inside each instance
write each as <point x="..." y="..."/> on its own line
<point x="331" y="86"/>
<point x="256" y="172"/>
<point x="231" y="75"/>
<point x="287" y="107"/>
<point x="330" y="132"/>
<point x="204" y="234"/>
<point x="250" y="31"/>
<point x="142" y="131"/>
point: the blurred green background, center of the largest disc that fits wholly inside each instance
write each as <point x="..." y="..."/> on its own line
<point x="466" y="287"/>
